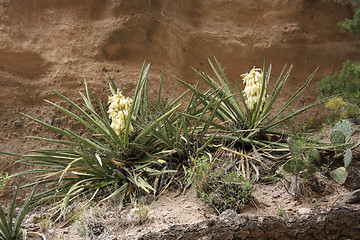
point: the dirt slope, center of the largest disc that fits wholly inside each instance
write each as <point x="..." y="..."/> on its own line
<point x="55" y="44"/>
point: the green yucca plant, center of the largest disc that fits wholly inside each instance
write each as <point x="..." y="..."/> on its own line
<point x="180" y="134"/>
<point x="126" y="163"/>
<point x="233" y="115"/>
<point x="10" y="227"/>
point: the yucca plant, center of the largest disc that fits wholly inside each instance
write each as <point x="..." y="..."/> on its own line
<point x="125" y="152"/>
<point x="244" y="118"/>
<point x="182" y="136"/>
<point x="10" y="227"/>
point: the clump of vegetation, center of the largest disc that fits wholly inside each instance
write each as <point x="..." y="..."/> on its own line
<point x="346" y="88"/>
<point x="144" y="213"/>
<point x="346" y="83"/>
<point x="219" y="183"/>
<point x="248" y="123"/>
<point x="337" y="107"/>
<point x="340" y="136"/>
<point x="250" y="117"/>
<point x="306" y="157"/>
<point x="199" y="170"/>
<point x="133" y="143"/>
<point x="335" y="104"/>
<point x="352" y="25"/>
<point x="89" y="223"/>
<point x="10" y="227"/>
<point x="302" y="162"/>
<point x="120" y="155"/>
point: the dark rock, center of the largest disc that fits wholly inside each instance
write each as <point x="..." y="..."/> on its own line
<point x="353" y="197"/>
<point x="18" y="124"/>
<point x="96" y="228"/>
<point x="337" y="222"/>
<point x="353" y="180"/>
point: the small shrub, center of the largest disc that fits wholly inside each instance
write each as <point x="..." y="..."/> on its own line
<point x="235" y="192"/>
<point x="341" y="109"/>
<point x="90" y="222"/>
<point x="220" y="186"/>
<point x="201" y="168"/>
<point x="353" y="26"/>
<point x="353" y="111"/>
<point x="335" y="104"/>
<point x="144" y="213"/>
<point x="10" y="227"/>
<point x="346" y="83"/>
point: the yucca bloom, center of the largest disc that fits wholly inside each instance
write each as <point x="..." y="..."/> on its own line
<point x="118" y="112"/>
<point x="253" y="82"/>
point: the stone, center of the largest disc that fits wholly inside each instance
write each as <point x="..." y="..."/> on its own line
<point x="228" y="214"/>
<point x="353" y="197"/>
<point x="18" y="124"/>
<point x="339" y="221"/>
<point x="303" y="211"/>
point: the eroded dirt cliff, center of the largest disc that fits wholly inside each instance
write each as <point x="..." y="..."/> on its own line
<point x="52" y="44"/>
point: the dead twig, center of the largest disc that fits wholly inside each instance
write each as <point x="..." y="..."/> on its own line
<point x="244" y="155"/>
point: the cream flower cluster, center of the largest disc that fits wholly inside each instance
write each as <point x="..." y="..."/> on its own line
<point x="253" y="82"/>
<point x="118" y="112"/>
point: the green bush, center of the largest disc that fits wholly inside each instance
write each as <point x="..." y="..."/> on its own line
<point x="353" y="25"/>
<point x="346" y="83"/>
<point x="219" y="183"/>
<point x="341" y="109"/>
